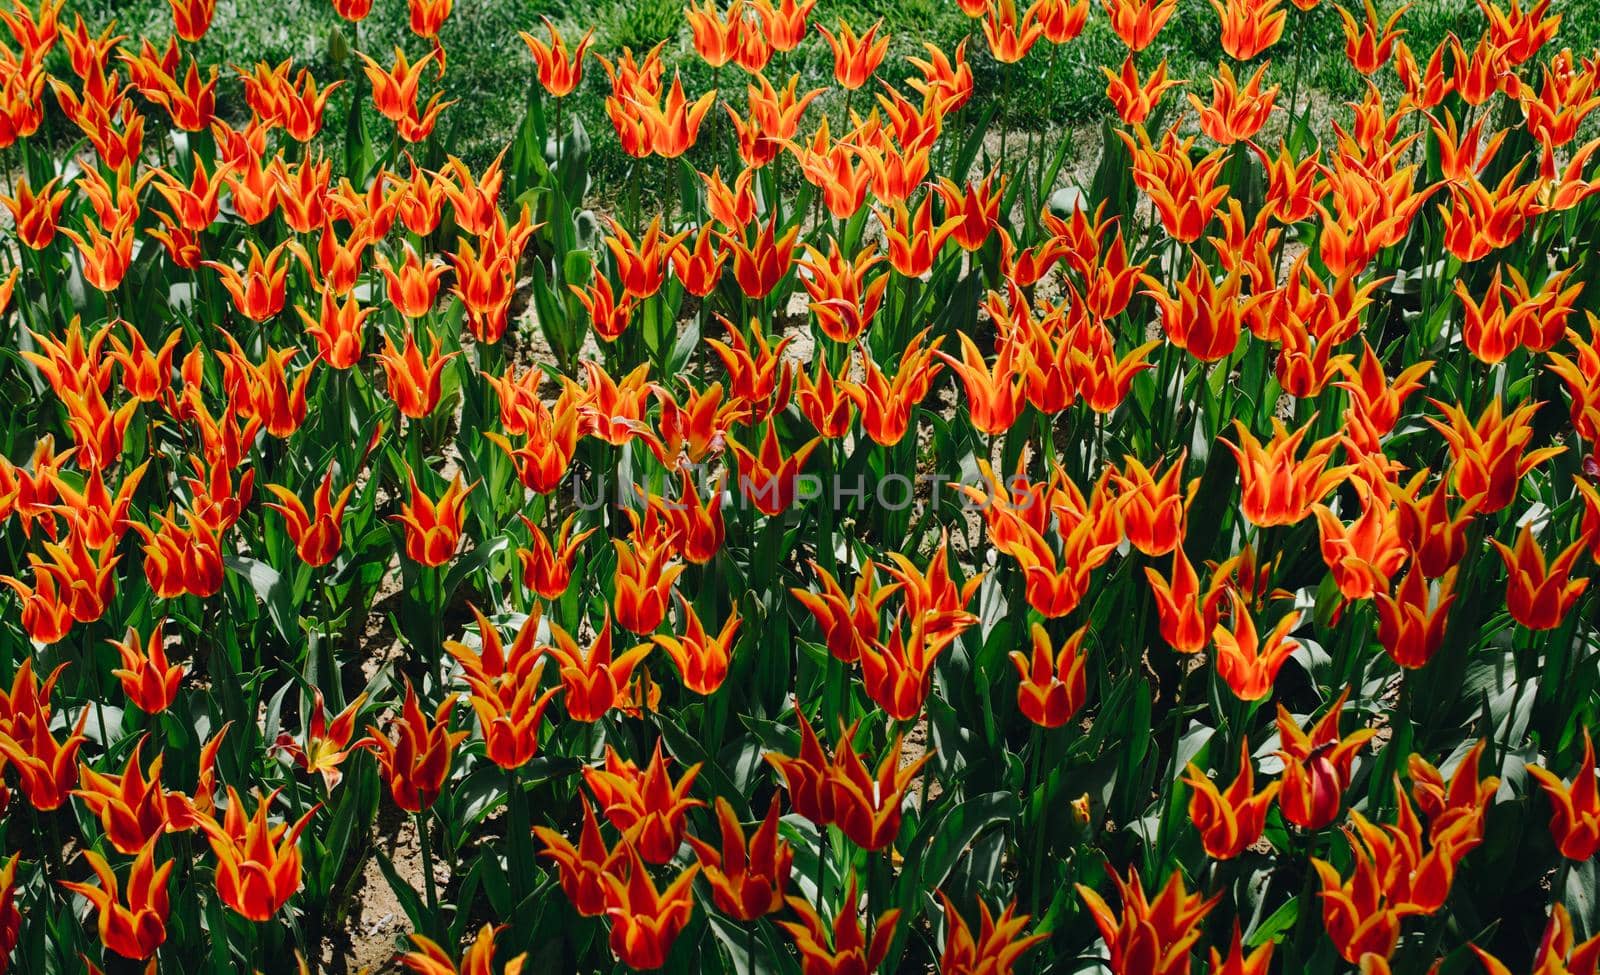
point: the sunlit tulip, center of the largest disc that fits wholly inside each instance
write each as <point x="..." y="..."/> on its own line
<point x="137" y="929"/>
<point x="415" y="381"/>
<point x="842" y="944"/>
<point x="1149" y="935"/>
<point x="1249" y="27"/>
<point x="1540" y="593"/>
<point x="701" y="658"/>
<point x="1367" y="45"/>
<point x="1234" y="113"/>
<point x="431" y="959"/>
<point x="258" y="864"/>
<point x="1230" y="820"/>
<point x="1257" y="962"/>
<point x="999" y="945"/>
<point x="747" y="878"/>
<point x="1411" y="624"/>
<point x="867" y="808"/>
<point x="316" y="534"/>
<point x="1052" y="684"/>
<point x="1247" y="663"/>
<point x="1575" y="807"/>
<point x="433" y="528"/>
<point x="34" y="212"/>
<point x="582" y="869"/>
<point x="785" y="21"/>
<point x="1137" y="22"/>
<point x="1559" y="948"/>
<point x="1317" y="765"/>
<point x="593" y="679"/>
<point x="326" y="742"/>
<point x="1204" y="317"/>
<point x="150" y="682"/>
<point x="1489" y="458"/>
<point x="259" y="292"/>
<point x="855" y="58"/>
<point x="416" y="761"/>
<point x="645" y="919"/>
<point x="560" y="69"/>
<point x="546" y="568"/>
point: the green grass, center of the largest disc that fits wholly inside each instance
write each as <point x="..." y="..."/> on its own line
<point x="490" y="72"/>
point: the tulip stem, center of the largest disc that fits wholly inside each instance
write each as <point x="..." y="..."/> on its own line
<point x="430" y="888"/>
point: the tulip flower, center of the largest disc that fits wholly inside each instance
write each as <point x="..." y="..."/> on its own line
<point x="1317" y="765"/>
<point x="747" y="879"/>
<point x="582" y="869"/>
<point x="760" y="267"/>
<point x="841" y="945"/>
<point x="642" y="264"/>
<point x="1053" y="685"/>
<point x="1559" y="948"/>
<point x="1540" y="593"/>
<point x="506" y="691"/>
<point x="593" y="680"/>
<point x="887" y="405"/>
<point x="150" y="682"/>
<point x="1235" y="113"/>
<point x="1204" y="317"/>
<point x="1134" y="99"/>
<point x="34" y="213"/>
<point x="546" y="568"/>
<point x="1575" y="819"/>
<point x="560" y="69"/>
<point x="416" y="761"/>
<point x="47" y="769"/>
<point x="646" y="920"/>
<point x="769" y="480"/>
<point x="855" y="58"/>
<point x="316" y="535"/>
<point x="1248" y="664"/>
<point x="701" y="659"/>
<point x="431" y="959"/>
<point x="131" y="807"/>
<point x="1231" y="820"/>
<point x="646" y="805"/>
<point x="1368" y="46"/>
<point x="1187" y="617"/>
<point x="673" y="127"/>
<point x="866" y="808"/>
<point x="1137" y="22"/>
<point x="1150" y="935"/>
<point x="1257" y="962"/>
<point x="1278" y="488"/>
<point x="136" y="930"/>
<point x="433" y="528"/>
<point x="785" y="21"/>
<point x="258" y="864"/>
<point x="996" y="949"/>
<point x="326" y="743"/>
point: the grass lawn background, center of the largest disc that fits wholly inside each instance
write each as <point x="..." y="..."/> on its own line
<point x="490" y="70"/>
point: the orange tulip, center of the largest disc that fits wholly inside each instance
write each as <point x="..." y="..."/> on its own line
<point x="842" y="945"/>
<point x="1316" y="766"/>
<point x="1408" y="628"/>
<point x="327" y="742"/>
<point x="701" y="659"/>
<point x="1559" y="948"/>
<point x="997" y="948"/>
<point x="34" y="212"/>
<point x="258" y="865"/>
<point x="316" y="535"/>
<point x="785" y="21"/>
<point x="1150" y="935"/>
<point x="1575" y="819"/>
<point x="1204" y="317"/>
<point x="1278" y="488"/>
<point x="430" y="959"/>
<point x="1053" y="685"/>
<point x="546" y="568"/>
<point x="1540" y="594"/>
<point x="855" y="58"/>
<point x="769" y="480"/>
<point x="1137" y="22"/>
<point x="258" y="293"/>
<point x="594" y="681"/>
<point x="1249" y="27"/>
<point x="559" y="69"/>
<point x="1248" y="664"/>
<point x="866" y="808"/>
<point x="582" y="869"/>
<point x="132" y="807"/>
<point x="646" y="805"/>
<point x="1187" y="616"/>
<point x="1229" y="821"/>
<point x="747" y="879"/>
<point x="1257" y="962"/>
<point x="149" y="681"/>
<point x="645" y="920"/>
<point x="138" y="929"/>
<point x="888" y="406"/>
<point x="417" y="760"/>
<point x="1366" y="45"/>
<point x="433" y="528"/>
